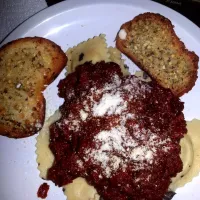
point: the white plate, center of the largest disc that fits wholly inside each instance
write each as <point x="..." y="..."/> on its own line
<point x="69" y="23"/>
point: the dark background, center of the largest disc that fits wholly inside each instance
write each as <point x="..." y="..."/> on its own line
<point x="188" y="8"/>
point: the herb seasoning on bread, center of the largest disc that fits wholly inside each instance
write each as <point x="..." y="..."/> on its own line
<point x="27" y="66"/>
<point x="150" y="41"/>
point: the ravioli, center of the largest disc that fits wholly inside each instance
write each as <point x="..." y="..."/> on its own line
<point x="190" y="155"/>
<point x="94" y="49"/>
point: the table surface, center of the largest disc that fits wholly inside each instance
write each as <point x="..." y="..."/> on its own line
<point x="14" y="12"/>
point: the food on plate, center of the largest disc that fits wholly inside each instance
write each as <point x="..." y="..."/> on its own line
<point x="192" y="167"/>
<point x="79" y="189"/>
<point x="187" y="157"/>
<point x="27" y="66"/>
<point x="45" y="157"/>
<point x="116" y="129"/>
<point x="143" y="76"/>
<point x="150" y="41"/>
<point x="94" y="49"/>
<point x="43" y="191"/>
<point x="117" y="136"/>
<point x="116" y="57"/>
<point x="190" y="150"/>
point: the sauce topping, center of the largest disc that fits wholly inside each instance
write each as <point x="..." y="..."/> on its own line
<point x="120" y="133"/>
<point x="43" y="190"/>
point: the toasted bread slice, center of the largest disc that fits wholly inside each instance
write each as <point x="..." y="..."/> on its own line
<point x="149" y="41"/>
<point x="27" y="66"/>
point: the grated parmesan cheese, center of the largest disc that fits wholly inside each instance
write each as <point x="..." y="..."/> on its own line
<point x="83" y="115"/>
<point x="117" y="142"/>
<point x="110" y="104"/>
<point x="114" y="148"/>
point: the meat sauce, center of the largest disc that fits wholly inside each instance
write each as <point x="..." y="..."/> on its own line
<point x="121" y="134"/>
<point x="43" y="191"/>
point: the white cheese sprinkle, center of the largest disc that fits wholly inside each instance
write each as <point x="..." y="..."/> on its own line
<point x="114" y="148"/>
<point x="38" y="125"/>
<point x="18" y="85"/>
<point x="109" y="104"/>
<point x="122" y="34"/>
<point x="83" y="115"/>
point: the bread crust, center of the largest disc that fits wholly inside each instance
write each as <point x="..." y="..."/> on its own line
<point x="13" y="132"/>
<point x="166" y="23"/>
<point x="10" y="126"/>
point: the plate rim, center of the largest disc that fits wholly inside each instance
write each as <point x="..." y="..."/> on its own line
<point x="59" y="8"/>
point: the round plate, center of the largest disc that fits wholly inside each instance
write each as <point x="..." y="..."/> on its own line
<point x="67" y="24"/>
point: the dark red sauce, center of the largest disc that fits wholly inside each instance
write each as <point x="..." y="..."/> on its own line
<point x="119" y="133"/>
<point x="43" y="190"/>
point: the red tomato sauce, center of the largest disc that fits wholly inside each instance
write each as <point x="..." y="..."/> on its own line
<point x="43" y="191"/>
<point x="121" y="134"/>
